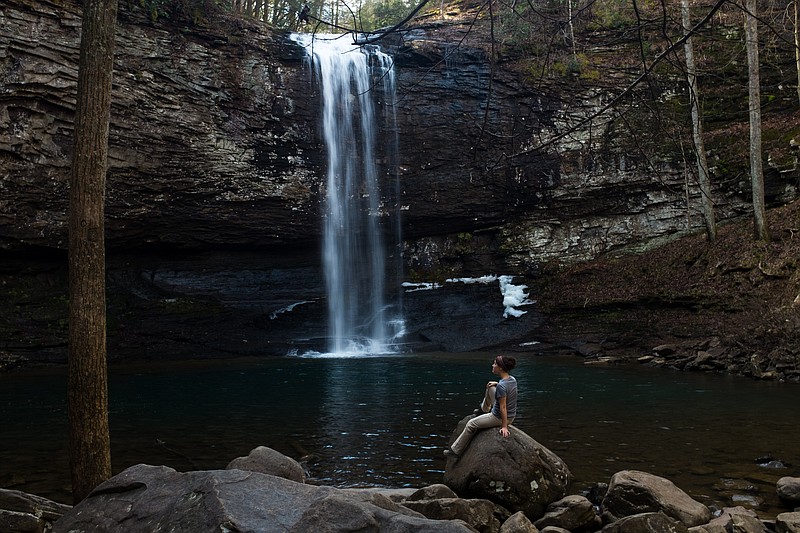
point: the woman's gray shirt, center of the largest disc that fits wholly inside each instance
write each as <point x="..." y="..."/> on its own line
<point x="508" y="388"/>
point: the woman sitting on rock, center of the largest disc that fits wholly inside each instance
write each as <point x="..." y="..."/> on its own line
<point x="499" y="406"/>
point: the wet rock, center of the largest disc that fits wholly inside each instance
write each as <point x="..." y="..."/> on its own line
<point x="632" y="492"/>
<point x="465" y="316"/>
<point x="708" y="528"/>
<point x="736" y="519"/>
<point x="589" y="349"/>
<point x="376" y="494"/>
<point x="482" y="515"/>
<point x="575" y="513"/>
<point x="382" y="499"/>
<point x="26" y="513"/>
<point x="432" y="492"/>
<point x="268" y="461"/>
<point x="744" y="523"/>
<point x="787" y="523"/>
<point x="646" y="523"/>
<point x="788" y="489"/>
<point x="738" y="491"/>
<point x="665" y="349"/>
<point x="596" y="493"/>
<point x="518" y="523"/>
<point x="516" y="471"/>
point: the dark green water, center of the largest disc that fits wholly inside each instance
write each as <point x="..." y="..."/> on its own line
<point x="384" y="420"/>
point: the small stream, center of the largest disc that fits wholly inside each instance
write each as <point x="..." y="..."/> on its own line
<point x="384" y="420"/>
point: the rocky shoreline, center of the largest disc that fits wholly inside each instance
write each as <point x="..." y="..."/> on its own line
<point x="267" y="491"/>
<point x="731" y="306"/>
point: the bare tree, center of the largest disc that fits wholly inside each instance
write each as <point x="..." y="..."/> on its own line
<point x="754" y="82"/>
<point x="697" y="127"/>
<point x="90" y="454"/>
<point x="797" y="45"/>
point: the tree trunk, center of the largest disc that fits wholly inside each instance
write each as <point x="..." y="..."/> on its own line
<point x="797" y="45"/>
<point x="697" y="130"/>
<point x="756" y="167"/>
<point x="572" y="32"/>
<point x="87" y="397"/>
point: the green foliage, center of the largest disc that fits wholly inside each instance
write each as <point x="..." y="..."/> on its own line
<point x="154" y="8"/>
<point x="194" y="11"/>
<point x="611" y="15"/>
<point x="577" y="66"/>
<point x="388" y="13"/>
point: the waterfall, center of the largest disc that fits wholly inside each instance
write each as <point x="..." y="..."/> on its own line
<point x="356" y="224"/>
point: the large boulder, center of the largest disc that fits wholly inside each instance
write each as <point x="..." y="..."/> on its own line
<point x="515" y="471"/>
<point x="632" y="492"/>
<point x="268" y="461"/>
<point x="144" y="498"/>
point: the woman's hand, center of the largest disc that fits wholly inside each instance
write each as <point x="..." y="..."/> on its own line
<point x="504" y="431"/>
<point x="491" y="384"/>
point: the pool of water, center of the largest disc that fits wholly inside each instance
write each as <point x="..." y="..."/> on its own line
<point x="384" y="420"/>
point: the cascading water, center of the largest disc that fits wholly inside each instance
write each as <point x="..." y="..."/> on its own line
<point x="361" y="318"/>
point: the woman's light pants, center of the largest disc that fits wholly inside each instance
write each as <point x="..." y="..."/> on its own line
<point x="484" y="421"/>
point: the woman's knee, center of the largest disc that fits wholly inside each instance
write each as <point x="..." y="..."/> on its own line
<point x="472" y="426"/>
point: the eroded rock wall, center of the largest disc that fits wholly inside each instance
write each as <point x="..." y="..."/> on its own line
<point x="214" y="142"/>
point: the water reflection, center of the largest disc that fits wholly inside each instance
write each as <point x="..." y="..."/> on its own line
<point x="384" y="420"/>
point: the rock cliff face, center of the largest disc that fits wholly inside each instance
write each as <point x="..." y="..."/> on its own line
<point x="214" y="142"/>
<point x="215" y="150"/>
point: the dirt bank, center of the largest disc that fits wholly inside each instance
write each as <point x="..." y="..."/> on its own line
<point x="728" y="306"/>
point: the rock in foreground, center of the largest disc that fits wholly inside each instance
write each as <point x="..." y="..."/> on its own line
<point x="788" y="489"/>
<point x="27" y="513"/>
<point x="516" y="472"/>
<point x="268" y="461"/>
<point x="144" y="498"/>
<point x="632" y="492"/>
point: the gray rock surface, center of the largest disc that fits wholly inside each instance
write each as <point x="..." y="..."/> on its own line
<point x="214" y="143"/>
<point x="788" y="489"/>
<point x="516" y="472"/>
<point x="268" y="461"/>
<point x="573" y="512"/>
<point x="646" y="523"/>
<point x="482" y="515"/>
<point x="518" y="523"/>
<point x="787" y="523"/>
<point x="633" y="492"/>
<point x="26" y="513"/>
<point x="143" y="499"/>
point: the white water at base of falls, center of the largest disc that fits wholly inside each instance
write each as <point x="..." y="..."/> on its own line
<point x="361" y="320"/>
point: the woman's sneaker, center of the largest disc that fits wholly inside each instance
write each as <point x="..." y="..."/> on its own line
<point x="448" y="452"/>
